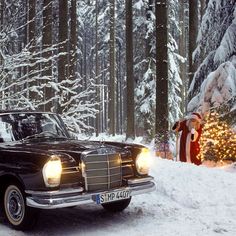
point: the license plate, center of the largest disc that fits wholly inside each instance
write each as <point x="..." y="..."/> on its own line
<point x="112" y="196"/>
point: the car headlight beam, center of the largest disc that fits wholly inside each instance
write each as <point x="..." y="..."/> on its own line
<point x="52" y="171"/>
<point x="143" y="161"/>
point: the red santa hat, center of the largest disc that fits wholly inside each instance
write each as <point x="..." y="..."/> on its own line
<point x="196" y="116"/>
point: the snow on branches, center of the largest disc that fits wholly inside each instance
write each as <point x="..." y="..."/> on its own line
<point x="23" y="85"/>
<point x="216" y="90"/>
<point x="216" y="40"/>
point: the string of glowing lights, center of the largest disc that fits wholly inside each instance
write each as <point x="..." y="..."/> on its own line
<point x="218" y="140"/>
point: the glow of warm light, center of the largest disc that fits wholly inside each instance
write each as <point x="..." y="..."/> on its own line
<point x="52" y="172"/>
<point x="218" y="141"/>
<point x="143" y="161"/>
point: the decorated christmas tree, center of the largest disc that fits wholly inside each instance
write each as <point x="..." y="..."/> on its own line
<point x="218" y="141"/>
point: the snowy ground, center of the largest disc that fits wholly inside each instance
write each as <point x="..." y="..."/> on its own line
<point x="189" y="200"/>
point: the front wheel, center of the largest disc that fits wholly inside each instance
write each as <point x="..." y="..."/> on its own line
<point x="117" y="206"/>
<point x="20" y="216"/>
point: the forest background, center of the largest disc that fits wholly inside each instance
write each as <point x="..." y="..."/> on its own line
<point x="128" y="67"/>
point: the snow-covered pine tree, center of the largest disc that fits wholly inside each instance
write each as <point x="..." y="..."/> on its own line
<point x="214" y="82"/>
<point x="182" y="50"/>
<point x="88" y="46"/>
<point x="145" y="64"/>
<point x="121" y="111"/>
<point x="130" y="130"/>
<point x="175" y="82"/>
<point x="144" y="54"/>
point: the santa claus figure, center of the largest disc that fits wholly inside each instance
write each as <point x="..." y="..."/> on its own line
<point x="190" y="131"/>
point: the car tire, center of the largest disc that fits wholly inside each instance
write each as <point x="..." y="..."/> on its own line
<point x="117" y="206"/>
<point x="17" y="213"/>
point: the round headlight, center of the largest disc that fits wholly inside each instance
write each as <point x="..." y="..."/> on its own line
<point x="52" y="171"/>
<point x="143" y="162"/>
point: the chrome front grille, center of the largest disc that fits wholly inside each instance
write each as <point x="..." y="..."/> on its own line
<point x="102" y="171"/>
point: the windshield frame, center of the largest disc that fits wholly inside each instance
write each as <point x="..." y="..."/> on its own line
<point x="56" y="118"/>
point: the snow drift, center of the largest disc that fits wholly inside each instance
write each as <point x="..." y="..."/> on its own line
<point x="189" y="200"/>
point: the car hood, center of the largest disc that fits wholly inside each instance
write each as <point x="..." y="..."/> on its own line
<point x="71" y="147"/>
<point x="66" y="145"/>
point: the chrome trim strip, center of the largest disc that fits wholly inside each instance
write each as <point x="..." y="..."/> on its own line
<point x="71" y="167"/>
<point x="116" y="181"/>
<point x="109" y="173"/>
<point x="85" y="153"/>
<point x="111" y="168"/>
<point x="56" y="192"/>
<point x="103" y="176"/>
<point x="110" y="163"/>
<point x="127" y="161"/>
<point x="92" y="162"/>
<point x="69" y="172"/>
<point x="48" y="201"/>
<point x="139" y="181"/>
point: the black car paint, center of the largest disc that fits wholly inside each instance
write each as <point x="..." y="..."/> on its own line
<point x="25" y="160"/>
<point x="90" y="170"/>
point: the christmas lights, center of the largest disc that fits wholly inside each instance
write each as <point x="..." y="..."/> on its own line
<point x="218" y="140"/>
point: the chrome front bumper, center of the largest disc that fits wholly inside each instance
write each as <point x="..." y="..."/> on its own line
<point x="74" y="197"/>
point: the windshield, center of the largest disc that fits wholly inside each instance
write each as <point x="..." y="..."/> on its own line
<point x="23" y="125"/>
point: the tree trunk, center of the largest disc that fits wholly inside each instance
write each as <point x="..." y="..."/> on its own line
<point x="46" y="43"/>
<point x="161" y="70"/>
<point x="120" y="91"/>
<point x="23" y="42"/>
<point x="72" y="57"/>
<point x="73" y="40"/>
<point x="105" y="94"/>
<point x="85" y="61"/>
<point x="130" y="133"/>
<point x="31" y="39"/>
<point x="97" y="77"/>
<point x="193" y="31"/>
<point x="2" y="3"/>
<point x="203" y="8"/>
<point x="112" y="69"/>
<point x="147" y="117"/>
<point x="63" y="50"/>
<point x="182" y="52"/>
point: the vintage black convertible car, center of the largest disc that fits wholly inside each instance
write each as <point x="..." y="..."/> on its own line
<point x="42" y="167"/>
